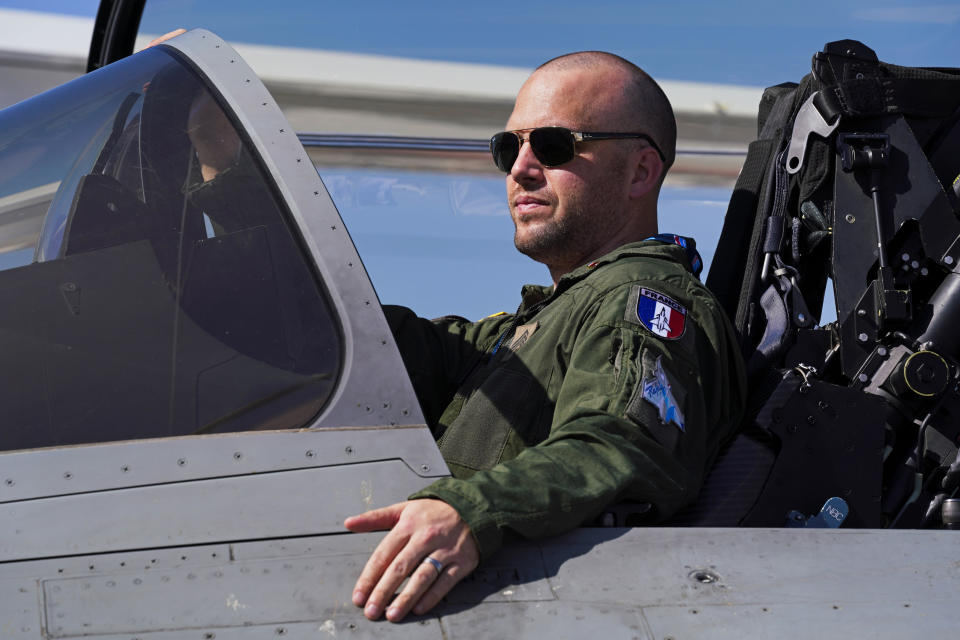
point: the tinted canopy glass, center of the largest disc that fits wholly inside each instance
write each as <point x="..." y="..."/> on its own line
<point x="150" y="283"/>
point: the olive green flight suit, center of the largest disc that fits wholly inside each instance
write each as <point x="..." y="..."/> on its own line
<point x="549" y="415"/>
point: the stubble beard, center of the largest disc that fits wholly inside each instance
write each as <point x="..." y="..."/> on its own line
<point x="567" y="241"/>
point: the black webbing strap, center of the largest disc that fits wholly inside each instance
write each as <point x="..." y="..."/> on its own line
<point x="735" y="269"/>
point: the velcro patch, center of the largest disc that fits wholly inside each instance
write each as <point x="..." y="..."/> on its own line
<point x="522" y="334"/>
<point x="659" y="313"/>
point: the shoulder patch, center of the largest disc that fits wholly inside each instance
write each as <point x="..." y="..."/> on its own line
<point x="659" y="313"/>
<point x="658" y="391"/>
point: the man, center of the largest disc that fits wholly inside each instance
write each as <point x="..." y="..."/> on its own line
<point x="618" y="382"/>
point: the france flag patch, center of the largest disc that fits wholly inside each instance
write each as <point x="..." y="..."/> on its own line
<point x="661" y="314"/>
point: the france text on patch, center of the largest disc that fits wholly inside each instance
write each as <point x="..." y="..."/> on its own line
<point x="661" y="314"/>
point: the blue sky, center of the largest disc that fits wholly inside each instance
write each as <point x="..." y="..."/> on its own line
<point x="752" y="42"/>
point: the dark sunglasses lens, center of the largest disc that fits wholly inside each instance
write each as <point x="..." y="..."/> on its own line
<point x="505" y="147"/>
<point x="552" y="145"/>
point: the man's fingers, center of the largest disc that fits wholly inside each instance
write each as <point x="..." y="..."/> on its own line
<point x="390" y="580"/>
<point x="446" y="581"/>
<point x="375" y="520"/>
<point x="373" y="572"/>
<point x="420" y="581"/>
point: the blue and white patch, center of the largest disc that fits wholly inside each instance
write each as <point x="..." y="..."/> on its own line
<point x="661" y="314"/>
<point x="657" y="391"/>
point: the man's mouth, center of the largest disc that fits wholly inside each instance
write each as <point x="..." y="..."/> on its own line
<point x="528" y="204"/>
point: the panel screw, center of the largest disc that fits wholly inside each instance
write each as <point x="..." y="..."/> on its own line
<point x="811" y="420"/>
<point x="182" y="462"/>
<point x="862" y="313"/>
<point x="703" y="576"/>
<point x="280" y="631"/>
<point x="882" y="352"/>
<point x="310" y="453"/>
<point x="9" y="482"/>
<point x="348" y="449"/>
<point x="850" y="218"/>
<point x="948" y="260"/>
<point x="125" y="468"/>
<point x="237" y="455"/>
<point x="862" y="337"/>
<point x="67" y="475"/>
<point x="424" y="468"/>
<point x="864" y="378"/>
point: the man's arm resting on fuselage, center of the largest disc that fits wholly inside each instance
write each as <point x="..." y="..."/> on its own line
<point x="608" y="441"/>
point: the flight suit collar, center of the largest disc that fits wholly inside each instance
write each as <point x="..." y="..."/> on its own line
<point x="643" y="249"/>
<point x="534" y="295"/>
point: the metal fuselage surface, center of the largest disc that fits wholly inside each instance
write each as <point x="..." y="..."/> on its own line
<point x="218" y="512"/>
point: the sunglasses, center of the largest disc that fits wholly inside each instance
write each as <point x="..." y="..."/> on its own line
<point x="552" y="146"/>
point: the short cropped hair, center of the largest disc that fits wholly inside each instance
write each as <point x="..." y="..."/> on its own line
<point x="652" y="109"/>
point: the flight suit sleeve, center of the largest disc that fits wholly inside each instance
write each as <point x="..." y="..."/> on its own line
<point x="439" y="354"/>
<point x="612" y="438"/>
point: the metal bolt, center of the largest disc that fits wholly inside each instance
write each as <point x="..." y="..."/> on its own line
<point x="861" y="312"/>
<point x="862" y="337"/>
<point x="424" y="468"/>
<point x="915" y="264"/>
<point x="882" y="352"/>
<point x="801" y="318"/>
<point x="69" y="286"/>
<point x="823" y="405"/>
<point x="864" y="378"/>
<point x="905" y="257"/>
<point x="948" y="260"/>
<point x="703" y="576"/>
<point x="850" y="218"/>
<point x="924" y="271"/>
<point x="811" y="420"/>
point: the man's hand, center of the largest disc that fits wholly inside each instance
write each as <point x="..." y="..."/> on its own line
<point x="419" y="528"/>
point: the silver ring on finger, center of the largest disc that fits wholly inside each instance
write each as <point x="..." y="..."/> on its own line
<point x="436" y="564"/>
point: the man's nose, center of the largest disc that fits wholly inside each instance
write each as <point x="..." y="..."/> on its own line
<point x="526" y="166"/>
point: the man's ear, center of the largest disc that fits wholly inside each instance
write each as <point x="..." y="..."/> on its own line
<point x="647" y="168"/>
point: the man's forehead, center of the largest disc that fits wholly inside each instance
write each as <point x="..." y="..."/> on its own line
<point x="577" y="98"/>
